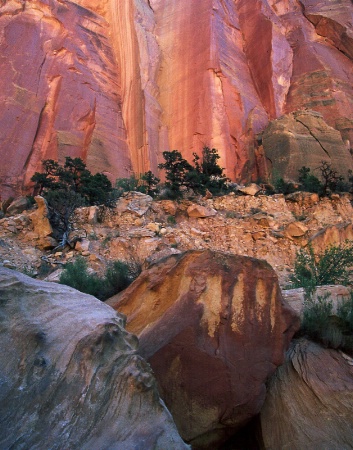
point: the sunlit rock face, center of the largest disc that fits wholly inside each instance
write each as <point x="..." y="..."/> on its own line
<point x="214" y="327"/>
<point x="118" y="82"/>
<point x="59" y="91"/>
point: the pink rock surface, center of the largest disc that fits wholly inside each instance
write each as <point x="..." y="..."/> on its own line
<point x="119" y="82"/>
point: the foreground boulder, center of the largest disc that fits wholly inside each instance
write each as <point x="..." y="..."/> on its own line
<point x="310" y="401"/>
<point x="69" y="374"/>
<point x="213" y="327"/>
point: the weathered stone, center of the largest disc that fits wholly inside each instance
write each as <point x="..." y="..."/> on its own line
<point x="93" y="214"/>
<point x="17" y="206"/>
<point x="39" y="218"/>
<point x="155" y="227"/>
<point x="258" y="235"/>
<point x="296" y="229"/>
<point x="304" y="139"/>
<point x="333" y="235"/>
<point x="82" y="245"/>
<point x="309" y="403"/>
<point x="134" y="202"/>
<point x="120" y="102"/>
<point x="70" y="374"/>
<point x="250" y="189"/>
<point x="213" y="327"/>
<point x="169" y="207"/>
<point x="200" y="211"/>
<point x="8" y="264"/>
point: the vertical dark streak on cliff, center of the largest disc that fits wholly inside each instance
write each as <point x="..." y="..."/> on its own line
<point x="35" y="138"/>
<point x="40" y="73"/>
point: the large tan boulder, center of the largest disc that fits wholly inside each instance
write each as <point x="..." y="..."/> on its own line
<point x="213" y="326"/>
<point x="309" y="404"/>
<point x="70" y="377"/>
<point x="303" y="138"/>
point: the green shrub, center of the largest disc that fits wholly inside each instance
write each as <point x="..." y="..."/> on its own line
<point x="117" y="277"/>
<point x="127" y="184"/>
<point x="77" y="276"/>
<point x="171" y="220"/>
<point x="309" y="182"/>
<point x="205" y="174"/>
<point x="322" y="325"/>
<point x="345" y="313"/>
<point x="333" y="266"/>
<point x="68" y="187"/>
<point x="316" y="316"/>
<point x="284" y="187"/>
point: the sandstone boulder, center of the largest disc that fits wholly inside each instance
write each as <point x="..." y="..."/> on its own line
<point x="17" y="206"/>
<point x="296" y="229"/>
<point x="251" y="189"/>
<point x="70" y="376"/>
<point x="199" y="211"/>
<point x="309" y="404"/>
<point x="213" y="326"/>
<point x="134" y="202"/>
<point x="303" y="138"/>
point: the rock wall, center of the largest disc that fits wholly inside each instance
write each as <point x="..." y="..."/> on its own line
<point x="119" y="81"/>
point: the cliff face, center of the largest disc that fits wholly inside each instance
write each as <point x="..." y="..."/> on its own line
<point x="117" y="82"/>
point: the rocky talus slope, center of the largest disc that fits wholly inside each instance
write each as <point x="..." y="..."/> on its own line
<point x="142" y="230"/>
<point x="119" y="82"/>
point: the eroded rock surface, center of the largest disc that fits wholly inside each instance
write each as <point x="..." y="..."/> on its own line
<point x="309" y="403"/>
<point x="213" y="326"/>
<point x="302" y="139"/>
<point x="119" y="82"/>
<point x="70" y="376"/>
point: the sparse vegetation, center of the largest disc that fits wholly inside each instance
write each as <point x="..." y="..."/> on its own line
<point x="117" y="277"/>
<point x="320" y="323"/>
<point x="68" y="187"/>
<point x="333" y="266"/>
<point x="205" y="174"/>
<point x="171" y="220"/>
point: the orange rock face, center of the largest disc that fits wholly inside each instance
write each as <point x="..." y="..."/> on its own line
<point x="213" y="326"/>
<point x="118" y="82"/>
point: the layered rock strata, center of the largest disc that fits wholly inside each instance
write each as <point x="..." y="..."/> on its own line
<point x="213" y="326"/>
<point x="118" y="82"/>
<point x="70" y="376"/>
<point x="309" y="401"/>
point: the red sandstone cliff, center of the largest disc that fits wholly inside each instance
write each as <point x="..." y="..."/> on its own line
<point x="117" y="82"/>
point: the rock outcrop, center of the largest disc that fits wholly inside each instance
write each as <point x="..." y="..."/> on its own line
<point x="119" y="82"/>
<point x="70" y="376"/>
<point x="304" y="139"/>
<point x="309" y="403"/>
<point x="213" y="326"/>
<point x="337" y="294"/>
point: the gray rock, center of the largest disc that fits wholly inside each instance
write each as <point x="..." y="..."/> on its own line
<point x="70" y="376"/>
